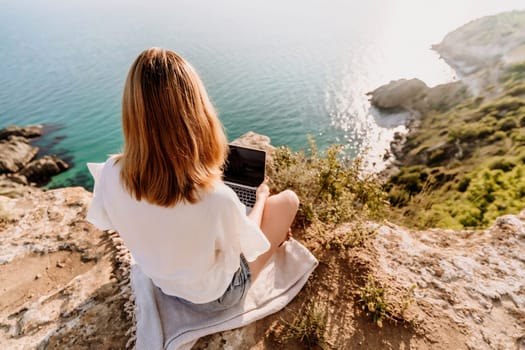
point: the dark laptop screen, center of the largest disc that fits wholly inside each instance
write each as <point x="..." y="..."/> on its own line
<point x="245" y="166"/>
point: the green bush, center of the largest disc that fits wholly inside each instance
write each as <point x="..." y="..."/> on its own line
<point x="490" y="121"/>
<point x="515" y="72"/>
<point x="471" y="131"/>
<point x="500" y="107"/>
<point x="522" y="118"/>
<point x="507" y="123"/>
<point x="495" y="192"/>
<point x="331" y="188"/>
<point x="411" y="179"/>
<point x="518" y="136"/>
<point x="502" y="164"/>
<point x="516" y="90"/>
<point x="463" y="184"/>
<point x="398" y="197"/>
<point x="470" y="217"/>
<point x="470" y="191"/>
<point x="497" y="136"/>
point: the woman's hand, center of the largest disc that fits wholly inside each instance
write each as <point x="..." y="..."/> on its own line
<point x="263" y="191"/>
<point x="261" y="195"/>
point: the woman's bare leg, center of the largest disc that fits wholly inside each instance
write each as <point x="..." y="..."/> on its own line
<point x="278" y="215"/>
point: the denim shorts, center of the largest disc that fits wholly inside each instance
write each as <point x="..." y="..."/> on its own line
<point x="233" y="295"/>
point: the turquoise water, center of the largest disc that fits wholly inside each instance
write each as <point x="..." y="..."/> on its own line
<point x="281" y="68"/>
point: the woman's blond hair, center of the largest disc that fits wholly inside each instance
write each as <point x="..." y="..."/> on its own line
<point x="174" y="143"/>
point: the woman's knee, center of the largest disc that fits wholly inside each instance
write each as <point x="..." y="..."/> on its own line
<point x="291" y="199"/>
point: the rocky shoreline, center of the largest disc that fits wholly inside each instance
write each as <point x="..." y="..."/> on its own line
<point x="462" y="133"/>
<point x="479" y="52"/>
<point x="20" y="170"/>
<point x="66" y="285"/>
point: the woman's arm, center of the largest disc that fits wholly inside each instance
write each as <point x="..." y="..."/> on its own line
<point x="263" y="192"/>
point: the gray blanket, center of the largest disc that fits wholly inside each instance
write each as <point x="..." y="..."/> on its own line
<point x="163" y="322"/>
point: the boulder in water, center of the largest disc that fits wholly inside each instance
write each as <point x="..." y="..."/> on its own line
<point x="15" y="154"/>
<point x="26" y="131"/>
<point x="41" y="170"/>
<point x="398" y="94"/>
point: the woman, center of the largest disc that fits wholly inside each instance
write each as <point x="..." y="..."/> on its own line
<point x="164" y="194"/>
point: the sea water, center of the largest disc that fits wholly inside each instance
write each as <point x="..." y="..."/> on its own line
<point x="285" y="69"/>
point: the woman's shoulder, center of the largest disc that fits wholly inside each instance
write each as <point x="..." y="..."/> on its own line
<point x="221" y="194"/>
<point x="221" y="191"/>
<point x="100" y="171"/>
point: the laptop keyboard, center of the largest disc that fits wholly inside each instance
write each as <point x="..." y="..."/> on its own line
<point x="246" y="195"/>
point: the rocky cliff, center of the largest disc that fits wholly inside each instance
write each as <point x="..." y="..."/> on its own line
<point x="64" y="286"/>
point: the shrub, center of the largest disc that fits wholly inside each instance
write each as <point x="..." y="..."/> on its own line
<point x="522" y="118"/>
<point x="507" y="123"/>
<point x="521" y="156"/>
<point x="497" y="136"/>
<point x="398" y="197"/>
<point x="495" y="192"/>
<point x="502" y="164"/>
<point x="518" y="136"/>
<point x="437" y="156"/>
<point x="471" y="217"/>
<point x="516" y="90"/>
<point x="514" y="73"/>
<point x="373" y="301"/>
<point x="332" y="189"/>
<point x="411" y="179"/>
<point x="308" y="327"/>
<point x="463" y="184"/>
<point x="471" y="131"/>
<point x="490" y="121"/>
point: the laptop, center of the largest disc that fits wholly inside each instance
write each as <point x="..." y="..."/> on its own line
<point x="244" y="172"/>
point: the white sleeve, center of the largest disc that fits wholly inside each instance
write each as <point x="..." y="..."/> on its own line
<point x="252" y="240"/>
<point x="97" y="214"/>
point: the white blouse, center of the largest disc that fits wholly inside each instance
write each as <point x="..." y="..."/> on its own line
<point x="189" y="250"/>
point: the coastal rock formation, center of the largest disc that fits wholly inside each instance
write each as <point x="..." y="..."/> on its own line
<point x="18" y="167"/>
<point x="254" y="140"/>
<point x="416" y="97"/>
<point x="474" y="279"/>
<point x="15" y="154"/>
<point x="481" y="49"/>
<point x="64" y="285"/>
<point x="398" y="94"/>
<point x="13" y="185"/>
<point x="42" y="169"/>
<point x="27" y="132"/>
<point x="484" y="42"/>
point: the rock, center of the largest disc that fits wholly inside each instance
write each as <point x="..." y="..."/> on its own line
<point x="396" y="145"/>
<point x="481" y="43"/>
<point x="473" y="275"/>
<point x="26" y="132"/>
<point x="14" y="186"/>
<point x="481" y="50"/>
<point x="14" y="155"/>
<point x="254" y="140"/>
<point x="50" y="298"/>
<point x="41" y="170"/>
<point x="257" y="141"/>
<point x="16" y="178"/>
<point x="470" y="285"/>
<point x="398" y="94"/>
